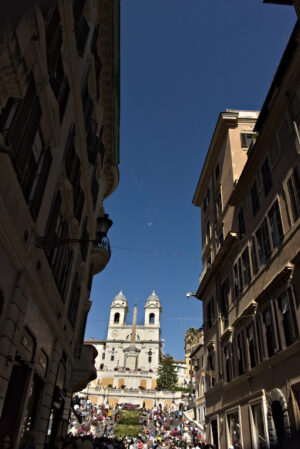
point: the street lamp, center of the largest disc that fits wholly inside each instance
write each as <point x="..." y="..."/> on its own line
<point x="103" y="225"/>
<point x="189" y="294"/>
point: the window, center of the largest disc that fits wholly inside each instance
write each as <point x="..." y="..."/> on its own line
<point x="206" y="200"/>
<point x="263" y="242"/>
<point x="269" y="331"/>
<point x="227" y="359"/>
<point x="238" y="278"/>
<point x="112" y="358"/>
<point x="151" y="318"/>
<point x="276" y="224"/>
<point x="220" y="239"/>
<point x="101" y="366"/>
<point x="73" y="173"/>
<point x="234" y="430"/>
<point x="94" y="187"/>
<point x="84" y="245"/>
<point x="19" y="122"/>
<point x="224" y="302"/>
<point x="214" y="430"/>
<point x="217" y="172"/>
<point x="266" y="176"/>
<point x="294" y="193"/>
<point x="254" y="199"/>
<point x="211" y="369"/>
<point x="74" y="300"/>
<point x="64" y="274"/>
<point x="103" y="356"/>
<point x="253" y="255"/>
<point x="218" y="205"/>
<point x="240" y="354"/>
<point x="258" y="434"/>
<point x="57" y="78"/>
<point x="241" y="219"/>
<point x="210" y="313"/>
<point x="38" y="167"/>
<point x="288" y="317"/>
<point x="246" y="266"/>
<point x="60" y="257"/>
<point x="207" y="231"/>
<point x="250" y="333"/>
<point x="246" y="139"/>
<point x="1" y="301"/>
<point x="274" y="151"/>
<point x="117" y="318"/>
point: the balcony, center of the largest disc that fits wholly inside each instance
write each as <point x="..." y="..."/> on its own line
<point x="83" y="370"/>
<point x="101" y="255"/>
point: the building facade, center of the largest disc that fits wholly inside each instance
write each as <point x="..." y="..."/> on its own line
<point x="192" y="338"/>
<point x="181" y="371"/>
<point x="116" y="366"/>
<point x="249" y="197"/>
<point x="59" y="152"/>
<point x="198" y="364"/>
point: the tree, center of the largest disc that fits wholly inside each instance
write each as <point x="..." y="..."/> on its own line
<point x="167" y="377"/>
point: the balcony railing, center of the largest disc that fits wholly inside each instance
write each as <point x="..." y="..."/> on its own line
<point x="101" y="254"/>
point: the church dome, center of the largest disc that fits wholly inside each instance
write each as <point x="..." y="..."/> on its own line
<point x="153" y="300"/>
<point x="119" y="300"/>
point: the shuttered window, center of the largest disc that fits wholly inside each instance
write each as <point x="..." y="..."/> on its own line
<point x="266" y="176"/>
<point x="74" y="300"/>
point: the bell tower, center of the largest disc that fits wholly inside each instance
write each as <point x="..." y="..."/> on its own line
<point x="152" y="311"/>
<point x="118" y="311"/>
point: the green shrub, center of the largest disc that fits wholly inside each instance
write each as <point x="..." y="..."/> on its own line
<point x="128" y="423"/>
<point x="129" y="417"/>
<point x="122" y="430"/>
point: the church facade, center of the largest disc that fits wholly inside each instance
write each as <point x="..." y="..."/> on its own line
<point x="130" y="355"/>
<point x="128" y="360"/>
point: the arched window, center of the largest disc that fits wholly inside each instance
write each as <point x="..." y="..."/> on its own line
<point x="151" y="318"/>
<point x="117" y="318"/>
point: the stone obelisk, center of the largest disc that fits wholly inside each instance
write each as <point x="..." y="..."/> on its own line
<point x="132" y="352"/>
<point x="133" y="333"/>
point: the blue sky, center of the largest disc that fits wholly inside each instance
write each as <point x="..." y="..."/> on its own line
<point x="182" y="62"/>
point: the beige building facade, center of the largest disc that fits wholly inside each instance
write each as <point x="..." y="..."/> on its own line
<point x="192" y="338"/>
<point x="198" y="364"/>
<point x="59" y="154"/>
<point x="249" y="285"/>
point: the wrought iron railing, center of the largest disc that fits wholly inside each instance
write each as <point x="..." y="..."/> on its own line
<point x="104" y="243"/>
